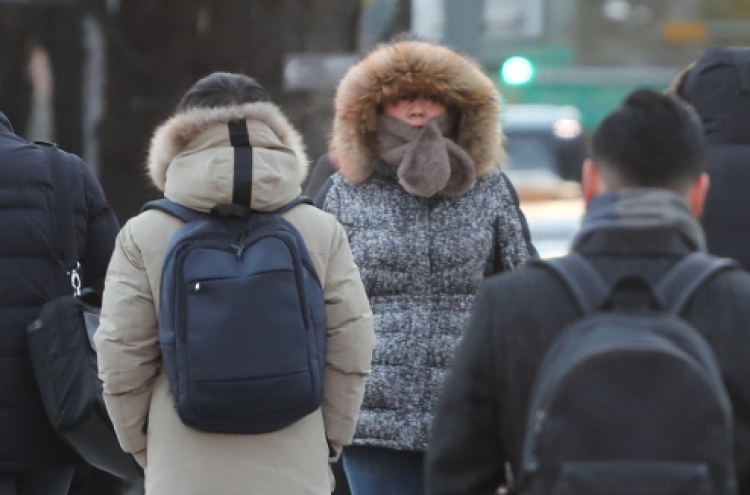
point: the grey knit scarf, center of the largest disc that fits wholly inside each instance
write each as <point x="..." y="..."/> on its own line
<point x="428" y="162"/>
<point x="643" y="208"/>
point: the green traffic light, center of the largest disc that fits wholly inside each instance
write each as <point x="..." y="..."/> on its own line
<point x="517" y="71"/>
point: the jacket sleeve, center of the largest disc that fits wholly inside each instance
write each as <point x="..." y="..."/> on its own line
<point x="350" y="343"/>
<point x="101" y="231"/>
<point x="513" y="238"/>
<point x="127" y="343"/>
<point x="465" y="455"/>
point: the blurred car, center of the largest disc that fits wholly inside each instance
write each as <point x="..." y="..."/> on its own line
<point x="545" y="137"/>
<point x="546" y="146"/>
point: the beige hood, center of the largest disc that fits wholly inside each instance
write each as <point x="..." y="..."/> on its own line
<point x="192" y="160"/>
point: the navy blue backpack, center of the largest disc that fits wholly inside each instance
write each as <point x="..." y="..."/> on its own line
<point x="242" y="321"/>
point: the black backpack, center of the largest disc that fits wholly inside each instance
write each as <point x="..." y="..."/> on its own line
<point x="629" y="399"/>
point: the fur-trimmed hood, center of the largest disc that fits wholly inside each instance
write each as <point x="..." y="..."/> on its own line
<point x="192" y="160"/>
<point x="407" y="69"/>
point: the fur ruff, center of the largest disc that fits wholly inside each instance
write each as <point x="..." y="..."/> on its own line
<point x="171" y="138"/>
<point x="407" y="69"/>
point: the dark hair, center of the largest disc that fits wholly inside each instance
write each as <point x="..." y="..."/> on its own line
<point x="222" y="89"/>
<point x="652" y="140"/>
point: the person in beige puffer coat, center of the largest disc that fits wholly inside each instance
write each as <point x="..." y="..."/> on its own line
<point x="192" y="161"/>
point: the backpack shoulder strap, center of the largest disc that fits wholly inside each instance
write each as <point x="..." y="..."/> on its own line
<point x="320" y="198"/>
<point x="63" y="205"/>
<point x="589" y="288"/>
<point x="292" y="204"/>
<point x="681" y="282"/>
<point x="178" y="211"/>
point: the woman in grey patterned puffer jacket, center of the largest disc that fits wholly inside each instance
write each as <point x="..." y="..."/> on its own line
<point x="417" y="144"/>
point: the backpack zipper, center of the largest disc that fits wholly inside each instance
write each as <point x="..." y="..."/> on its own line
<point x="240" y="246"/>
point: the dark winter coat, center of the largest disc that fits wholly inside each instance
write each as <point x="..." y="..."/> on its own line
<point x="31" y="276"/>
<point x="514" y="321"/>
<point x="719" y="89"/>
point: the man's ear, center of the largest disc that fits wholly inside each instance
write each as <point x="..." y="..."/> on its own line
<point x="696" y="195"/>
<point x="591" y="180"/>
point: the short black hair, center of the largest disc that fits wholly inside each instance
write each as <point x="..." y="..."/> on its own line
<point x="651" y="140"/>
<point x="222" y="89"/>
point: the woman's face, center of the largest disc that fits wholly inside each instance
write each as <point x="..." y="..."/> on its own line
<point x="415" y="112"/>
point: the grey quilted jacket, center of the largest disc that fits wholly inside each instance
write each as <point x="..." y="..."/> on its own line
<point x="421" y="261"/>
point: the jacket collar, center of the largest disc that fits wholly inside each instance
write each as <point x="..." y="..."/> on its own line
<point x="635" y="242"/>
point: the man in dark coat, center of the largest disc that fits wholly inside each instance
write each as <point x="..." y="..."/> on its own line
<point x="718" y="87"/>
<point x="644" y="186"/>
<point x="33" y="460"/>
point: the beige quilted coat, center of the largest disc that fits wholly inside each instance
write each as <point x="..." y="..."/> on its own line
<point x="191" y="160"/>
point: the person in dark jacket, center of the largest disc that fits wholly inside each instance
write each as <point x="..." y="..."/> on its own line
<point x="718" y="87"/>
<point x="644" y="186"/>
<point x="418" y="146"/>
<point x="33" y="460"/>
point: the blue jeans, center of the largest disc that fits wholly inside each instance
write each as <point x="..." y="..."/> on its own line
<point x="48" y="482"/>
<point x="380" y="471"/>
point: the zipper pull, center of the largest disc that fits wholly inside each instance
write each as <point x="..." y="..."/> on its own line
<point x="241" y="244"/>
<point x="239" y="249"/>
